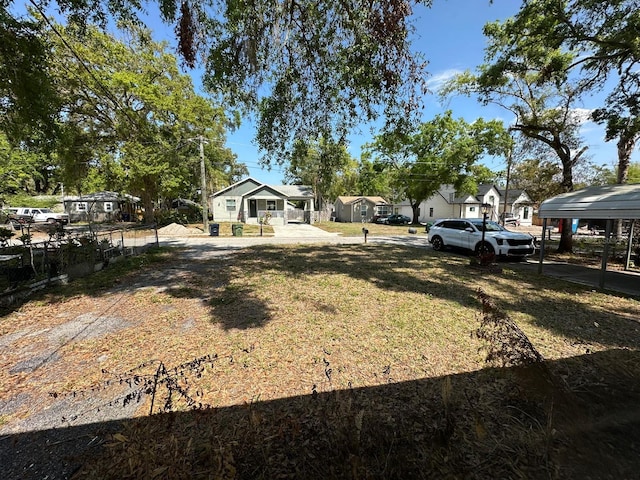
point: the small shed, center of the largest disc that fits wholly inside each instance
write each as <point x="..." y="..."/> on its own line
<point x="608" y="202"/>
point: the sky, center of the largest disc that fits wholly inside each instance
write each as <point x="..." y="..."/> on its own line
<point x="449" y="35"/>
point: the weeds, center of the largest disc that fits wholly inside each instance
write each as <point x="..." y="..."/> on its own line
<point x="507" y="345"/>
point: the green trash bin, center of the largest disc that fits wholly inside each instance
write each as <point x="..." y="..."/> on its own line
<point x="236" y="229"/>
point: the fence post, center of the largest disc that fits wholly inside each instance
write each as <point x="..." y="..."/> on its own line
<point x="155" y="228"/>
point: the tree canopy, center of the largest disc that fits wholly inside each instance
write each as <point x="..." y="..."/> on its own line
<point x="441" y="151"/>
<point x="279" y="60"/>
<point x="324" y="165"/>
<point x="602" y="38"/>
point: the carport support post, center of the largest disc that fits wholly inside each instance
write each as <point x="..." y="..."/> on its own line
<point x="544" y="229"/>
<point x="605" y="252"/>
<point x="629" y="244"/>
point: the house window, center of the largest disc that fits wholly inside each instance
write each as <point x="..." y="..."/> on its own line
<point x="81" y="206"/>
<point x="363" y="210"/>
<point x="472" y="209"/>
<point x="525" y="213"/>
<point x="430" y="211"/>
<point x="231" y="204"/>
<point x="271" y="204"/>
<point x="492" y="199"/>
<point x="108" y="207"/>
<point x="383" y="210"/>
<point x="452" y="197"/>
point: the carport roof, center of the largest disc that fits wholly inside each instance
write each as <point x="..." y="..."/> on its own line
<point x="603" y="202"/>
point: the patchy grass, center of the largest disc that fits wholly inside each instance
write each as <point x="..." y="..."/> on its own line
<point x="334" y="362"/>
<point x="355" y="229"/>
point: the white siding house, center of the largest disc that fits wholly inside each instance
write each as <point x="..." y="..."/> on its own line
<point x="251" y="201"/>
<point x="446" y="204"/>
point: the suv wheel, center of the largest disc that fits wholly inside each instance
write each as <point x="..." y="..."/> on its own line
<point x="436" y="243"/>
<point x="484" y="249"/>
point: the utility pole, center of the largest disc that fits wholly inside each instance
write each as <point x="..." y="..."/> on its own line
<point x="203" y="183"/>
<point x="203" y="179"/>
<point x="506" y="189"/>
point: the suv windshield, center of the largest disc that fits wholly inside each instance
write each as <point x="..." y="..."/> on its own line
<point x="489" y="227"/>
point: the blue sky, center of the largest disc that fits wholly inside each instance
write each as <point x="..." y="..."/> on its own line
<point x="449" y="34"/>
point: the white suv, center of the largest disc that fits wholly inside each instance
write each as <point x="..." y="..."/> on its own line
<point x="467" y="233"/>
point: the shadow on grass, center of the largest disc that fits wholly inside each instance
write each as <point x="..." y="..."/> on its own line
<point x="582" y="421"/>
<point x="209" y="273"/>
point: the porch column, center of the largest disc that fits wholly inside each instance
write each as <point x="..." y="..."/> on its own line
<point x="310" y="208"/>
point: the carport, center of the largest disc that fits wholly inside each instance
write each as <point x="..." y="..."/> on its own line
<point x="609" y="202"/>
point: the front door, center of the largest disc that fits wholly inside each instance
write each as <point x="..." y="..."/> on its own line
<point x="253" y="209"/>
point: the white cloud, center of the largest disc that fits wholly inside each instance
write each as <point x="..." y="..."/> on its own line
<point x="582" y="115"/>
<point x="437" y="80"/>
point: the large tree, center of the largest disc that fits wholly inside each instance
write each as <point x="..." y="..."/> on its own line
<point x="130" y="118"/>
<point x="373" y="179"/>
<point x="306" y="68"/>
<point x="603" y="38"/>
<point x="29" y="105"/>
<point x="22" y="170"/>
<point x="540" y="178"/>
<point x="322" y="164"/>
<point x="622" y="119"/>
<point x="441" y="151"/>
<point x="542" y="101"/>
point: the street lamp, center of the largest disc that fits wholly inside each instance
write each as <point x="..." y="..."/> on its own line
<point x="484" y="208"/>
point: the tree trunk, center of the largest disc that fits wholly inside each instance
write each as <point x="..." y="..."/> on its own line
<point x="625" y="147"/>
<point x="147" y="197"/>
<point x="415" y="207"/>
<point x="566" y="236"/>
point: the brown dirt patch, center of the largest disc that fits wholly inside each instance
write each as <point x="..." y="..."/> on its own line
<point x="317" y="362"/>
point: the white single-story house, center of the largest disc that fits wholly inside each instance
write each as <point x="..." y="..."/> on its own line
<point x="360" y="209"/>
<point x="447" y="204"/>
<point x="251" y="201"/>
<point x="101" y="207"/>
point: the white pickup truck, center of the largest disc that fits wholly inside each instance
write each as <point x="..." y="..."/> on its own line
<point x="29" y="215"/>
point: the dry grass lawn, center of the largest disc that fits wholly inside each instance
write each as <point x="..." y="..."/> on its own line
<point x="353" y="361"/>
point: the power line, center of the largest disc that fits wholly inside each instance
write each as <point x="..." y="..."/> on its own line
<point x="105" y="90"/>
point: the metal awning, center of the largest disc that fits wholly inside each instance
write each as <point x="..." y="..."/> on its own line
<point x="605" y="202"/>
<point x="608" y="202"/>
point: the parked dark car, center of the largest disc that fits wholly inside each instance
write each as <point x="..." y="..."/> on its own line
<point x="397" y="219"/>
<point x="379" y="218"/>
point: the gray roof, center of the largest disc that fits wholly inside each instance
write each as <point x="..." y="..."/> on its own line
<point x="512" y="195"/>
<point x="105" y="196"/>
<point x="604" y="202"/>
<point x="300" y="191"/>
